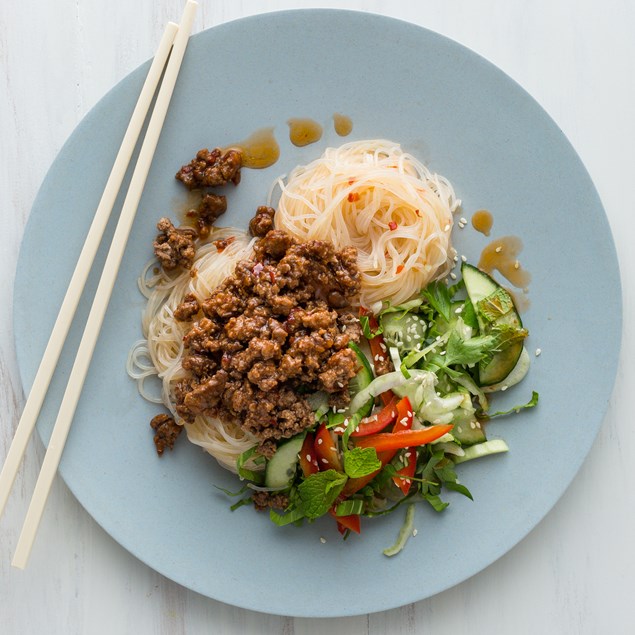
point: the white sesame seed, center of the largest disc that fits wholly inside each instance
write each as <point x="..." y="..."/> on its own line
<point x="538" y="351"/>
<point x="381" y="358"/>
<point x="446" y="228"/>
<point x="324" y="461"/>
<point x="341" y="411"/>
<point x="498" y="249"/>
<point x="408" y="455"/>
<point x="308" y="458"/>
<point x="473" y="425"/>
<point x="322" y="539"/>
<point x="357" y="429"/>
<point x="320" y="441"/>
<point x="464" y="220"/>
<point x="343" y="327"/>
<point x="383" y="346"/>
<point x="404" y="420"/>
<point x="338" y="429"/>
<point x="442" y="353"/>
<point x="376" y="358"/>
<point x="414" y="533"/>
<point x="459" y="429"/>
<point x="478" y="425"/>
<point x="340" y="384"/>
<point x="517" y="265"/>
<point x="463" y="258"/>
<point x="407" y="481"/>
<point x="409" y="413"/>
<point x="504" y="387"/>
<point x="456" y="258"/>
<point x="459" y="310"/>
<point x="453" y="275"/>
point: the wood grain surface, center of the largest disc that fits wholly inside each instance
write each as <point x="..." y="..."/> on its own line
<point x="575" y="573"/>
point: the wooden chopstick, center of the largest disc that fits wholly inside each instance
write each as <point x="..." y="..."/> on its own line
<point x="82" y="269"/>
<point x="104" y="291"/>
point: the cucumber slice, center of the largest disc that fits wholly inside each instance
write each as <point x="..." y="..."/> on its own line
<point x="281" y="467"/>
<point x="479" y="287"/>
<point x="467" y="431"/>
<point x="362" y="380"/>
<point x="403" y="330"/>
<point x="482" y="449"/>
<point x="517" y="374"/>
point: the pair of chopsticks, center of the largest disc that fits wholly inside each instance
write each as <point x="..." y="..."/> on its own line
<point x="173" y="44"/>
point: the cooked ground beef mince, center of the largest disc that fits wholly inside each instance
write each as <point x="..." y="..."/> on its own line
<point x="211" y="169"/>
<point x="174" y="247"/>
<point x="265" y="500"/>
<point x="221" y="244"/>
<point x="167" y="431"/>
<point x="187" y="309"/>
<point x="277" y="328"/>
<point x="207" y="212"/>
<point x="262" y="223"/>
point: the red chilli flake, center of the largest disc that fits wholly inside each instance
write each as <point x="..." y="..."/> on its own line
<point x="400" y="268"/>
<point x="353" y="197"/>
<point x="392" y="225"/>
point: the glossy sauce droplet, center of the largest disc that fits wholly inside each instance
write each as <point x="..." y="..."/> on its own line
<point x="502" y="255"/>
<point x="182" y="206"/>
<point x="259" y="150"/>
<point x="343" y="124"/>
<point x="482" y="221"/>
<point x="303" y="132"/>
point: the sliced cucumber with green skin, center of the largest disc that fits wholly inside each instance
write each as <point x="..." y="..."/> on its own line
<point x="361" y="380"/>
<point x="282" y="466"/>
<point x="495" y="446"/>
<point x="516" y="375"/>
<point x="480" y="286"/>
<point x="467" y="430"/>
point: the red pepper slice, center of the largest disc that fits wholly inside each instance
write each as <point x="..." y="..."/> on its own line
<point x="327" y="455"/>
<point x="405" y="418"/>
<point x="308" y="457"/>
<point x="404" y="410"/>
<point x="374" y="424"/>
<point x="385" y="441"/>
<point x="352" y="522"/>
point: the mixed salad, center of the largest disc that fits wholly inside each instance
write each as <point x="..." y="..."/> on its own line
<point x="403" y="433"/>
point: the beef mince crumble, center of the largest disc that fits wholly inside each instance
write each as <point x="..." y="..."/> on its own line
<point x="275" y="330"/>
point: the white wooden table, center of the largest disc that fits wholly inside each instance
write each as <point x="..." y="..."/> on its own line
<point x="575" y="573"/>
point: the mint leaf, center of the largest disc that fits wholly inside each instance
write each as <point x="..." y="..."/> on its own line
<point x="495" y="305"/>
<point x="361" y="462"/>
<point x="318" y="492"/>
<point x="436" y="502"/>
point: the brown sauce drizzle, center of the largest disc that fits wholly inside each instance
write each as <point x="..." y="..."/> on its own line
<point x="520" y="298"/>
<point x="183" y="206"/>
<point x="482" y="221"/>
<point x="343" y="124"/>
<point x="259" y="150"/>
<point x="502" y="255"/>
<point x="303" y="132"/>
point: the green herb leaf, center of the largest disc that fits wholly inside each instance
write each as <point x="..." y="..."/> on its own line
<point x="365" y="324"/>
<point x="461" y="489"/>
<point x="464" y="352"/>
<point x="286" y="519"/>
<point x="438" y="297"/>
<point x="360" y="462"/>
<point x="530" y="404"/>
<point x="318" y="492"/>
<point x="469" y="314"/>
<point x="350" y="507"/>
<point x="495" y="305"/>
<point x="256" y="477"/>
<point x="436" y="502"/>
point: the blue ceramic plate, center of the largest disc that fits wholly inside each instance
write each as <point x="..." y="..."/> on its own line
<point x="467" y="121"/>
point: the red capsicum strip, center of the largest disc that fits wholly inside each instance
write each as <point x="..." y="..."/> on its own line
<point x="352" y="522"/>
<point x="376" y="423"/>
<point x="355" y="484"/>
<point x="403" y="478"/>
<point x="326" y="450"/>
<point x="308" y="457"/>
<point x="386" y="441"/>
